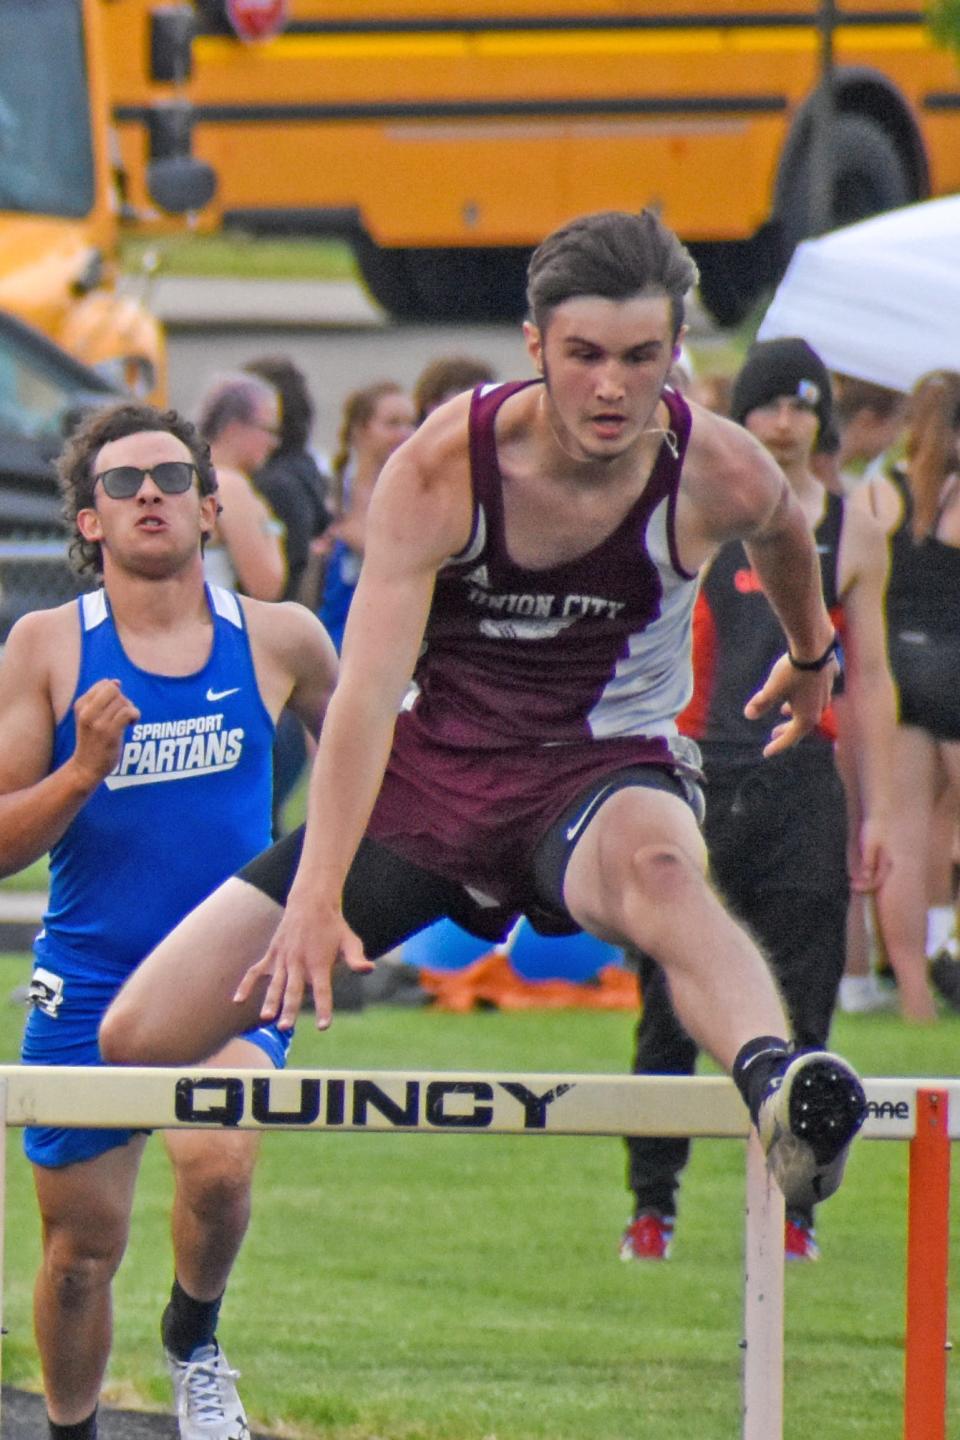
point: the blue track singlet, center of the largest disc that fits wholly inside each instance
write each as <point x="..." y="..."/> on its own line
<point x="188" y="803"/>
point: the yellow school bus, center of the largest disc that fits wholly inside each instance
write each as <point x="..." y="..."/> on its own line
<point x="446" y="137"/>
<point x="60" y="204"/>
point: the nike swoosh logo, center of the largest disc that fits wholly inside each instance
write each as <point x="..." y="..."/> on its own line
<point x="221" y="694"/>
<point x="574" y="830"/>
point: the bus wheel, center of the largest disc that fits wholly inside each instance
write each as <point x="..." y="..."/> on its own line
<point x="386" y="274"/>
<point x="470" y="284"/>
<point x="733" y="276"/>
<point x="870" y="176"/>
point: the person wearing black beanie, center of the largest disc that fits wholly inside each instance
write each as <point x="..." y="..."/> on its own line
<point x="788" y="368"/>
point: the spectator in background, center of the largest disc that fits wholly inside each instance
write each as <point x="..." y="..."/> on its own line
<point x="291" y="481"/>
<point x="445" y="377"/>
<point x="714" y="392"/>
<point x="870" y="418"/>
<point x="918" y="505"/>
<point x="239" y="417"/>
<point x="943" y="937"/>
<point x="296" y="490"/>
<point x="375" y="422"/>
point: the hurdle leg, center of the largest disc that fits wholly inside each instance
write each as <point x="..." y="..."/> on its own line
<point x="763" y="1301"/>
<point x="928" y="1255"/>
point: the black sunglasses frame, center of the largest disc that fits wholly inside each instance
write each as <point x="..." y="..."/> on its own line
<point x="172" y="477"/>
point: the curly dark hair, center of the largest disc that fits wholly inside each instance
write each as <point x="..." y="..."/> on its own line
<point x="98" y="428"/>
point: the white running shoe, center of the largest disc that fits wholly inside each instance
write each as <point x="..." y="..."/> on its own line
<point x="208" y="1406"/>
<point x="864" y="994"/>
<point x="808" y="1118"/>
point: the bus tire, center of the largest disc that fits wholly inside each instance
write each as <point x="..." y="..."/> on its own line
<point x="871" y="176"/>
<point x="469" y="284"/>
<point x="386" y="274"/>
<point x="733" y="276"/>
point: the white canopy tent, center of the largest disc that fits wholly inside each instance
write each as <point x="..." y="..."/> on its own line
<point x="879" y="300"/>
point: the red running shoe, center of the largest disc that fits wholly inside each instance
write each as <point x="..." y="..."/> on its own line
<point x="649" y="1237"/>
<point x="799" y="1241"/>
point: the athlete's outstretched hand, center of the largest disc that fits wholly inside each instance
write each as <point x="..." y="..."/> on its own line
<point x="310" y="938"/>
<point x="800" y="695"/>
<point x="101" y="715"/>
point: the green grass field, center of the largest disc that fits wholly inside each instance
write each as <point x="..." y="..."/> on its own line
<point x="35" y="877"/>
<point x="456" y="1288"/>
<point x="239" y="255"/>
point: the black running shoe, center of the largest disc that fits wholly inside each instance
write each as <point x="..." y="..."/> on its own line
<point x="808" y="1118"/>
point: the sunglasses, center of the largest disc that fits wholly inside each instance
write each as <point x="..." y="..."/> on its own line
<point x="173" y="477"/>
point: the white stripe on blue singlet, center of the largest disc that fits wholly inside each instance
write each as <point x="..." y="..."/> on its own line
<point x="93" y="607"/>
<point x="226" y="604"/>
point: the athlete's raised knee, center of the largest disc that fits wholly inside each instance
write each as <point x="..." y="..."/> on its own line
<point x="124" y="1035"/>
<point x="664" y="873"/>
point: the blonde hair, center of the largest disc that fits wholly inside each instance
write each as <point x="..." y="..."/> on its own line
<point x="931" y="444"/>
<point x="359" y="407"/>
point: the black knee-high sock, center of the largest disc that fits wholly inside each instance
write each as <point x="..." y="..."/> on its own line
<point x="755" y="1066"/>
<point x="83" y="1430"/>
<point x="188" y="1323"/>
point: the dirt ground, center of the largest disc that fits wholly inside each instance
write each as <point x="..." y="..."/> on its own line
<point x="22" y="1417"/>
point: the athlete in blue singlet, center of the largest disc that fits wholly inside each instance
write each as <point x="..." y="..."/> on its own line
<point x="136" y="732"/>
<point x="531" y="561"/>
<point x="186" y="804"/>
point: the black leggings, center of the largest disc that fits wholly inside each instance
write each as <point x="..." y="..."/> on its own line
<point x="926" y="669"/>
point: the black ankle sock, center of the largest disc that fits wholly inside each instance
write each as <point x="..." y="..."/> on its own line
<point x="188" y="1323"/>
<point x="756" y="1064"/>
<point x="83" y="1430"/>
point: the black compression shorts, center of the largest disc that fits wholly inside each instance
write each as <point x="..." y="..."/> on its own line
<point x="927" y="671"/>
<point x="387" y="898"/>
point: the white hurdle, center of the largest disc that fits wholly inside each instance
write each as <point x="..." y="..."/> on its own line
<point x="924" y="1112"/>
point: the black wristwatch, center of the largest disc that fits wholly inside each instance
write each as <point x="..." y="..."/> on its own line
<point x="822" y="661"/>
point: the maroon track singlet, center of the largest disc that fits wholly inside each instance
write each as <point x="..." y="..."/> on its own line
<point x="534" y="683"/>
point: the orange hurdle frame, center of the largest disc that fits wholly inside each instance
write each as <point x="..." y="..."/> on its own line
<point x="928" y="1268"/>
